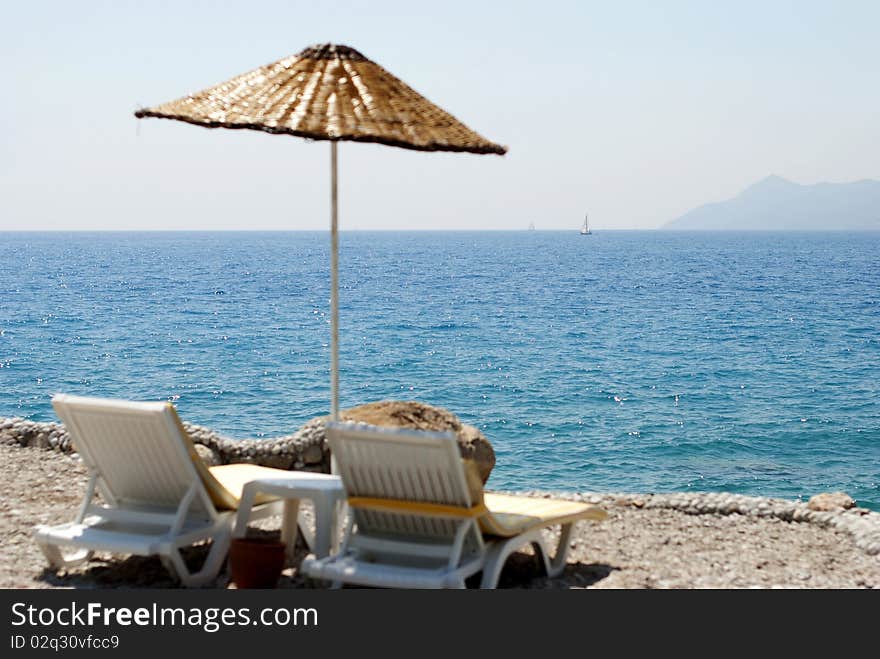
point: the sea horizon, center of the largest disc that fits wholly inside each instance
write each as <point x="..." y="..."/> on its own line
<point x="527" y="230"/>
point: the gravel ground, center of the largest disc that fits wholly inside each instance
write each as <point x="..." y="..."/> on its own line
<point x="661" y="541"/>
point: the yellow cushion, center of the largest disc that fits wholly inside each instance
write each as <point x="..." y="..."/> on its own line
<point x="225" y="482"/>
<point x="232" y="479"/>
<point x="510" y="515"/>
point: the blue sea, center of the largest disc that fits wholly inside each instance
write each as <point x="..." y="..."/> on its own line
<point x="621" y="361"/>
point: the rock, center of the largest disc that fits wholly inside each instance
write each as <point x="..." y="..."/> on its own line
<point x="278" y="461"/>
<point x="208" y="456"/>
<point x="312" y="454"/>
<point x="830" y="501"/>
<point x="419" y="416"/>
<point x="246" y="459"/>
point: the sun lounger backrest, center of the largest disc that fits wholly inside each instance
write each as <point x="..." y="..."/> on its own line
<point x="136" y="448"/>
<point x="408" y="466"/>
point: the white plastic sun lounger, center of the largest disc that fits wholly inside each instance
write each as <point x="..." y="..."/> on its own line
<point x="158" y="496"/>
<point x="420" y="519"/>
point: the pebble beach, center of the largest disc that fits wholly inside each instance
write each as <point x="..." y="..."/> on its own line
<point x="686" y="540"/>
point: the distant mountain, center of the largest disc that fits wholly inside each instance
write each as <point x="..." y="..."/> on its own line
<point x="776" y="204"/>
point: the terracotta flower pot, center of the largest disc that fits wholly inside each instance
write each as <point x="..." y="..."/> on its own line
<point x="256" y="562"/>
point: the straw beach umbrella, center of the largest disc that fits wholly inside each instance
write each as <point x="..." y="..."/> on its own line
<point x="328" y="92"/>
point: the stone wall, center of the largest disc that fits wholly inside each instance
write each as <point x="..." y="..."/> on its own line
<point x="303" y="450"/>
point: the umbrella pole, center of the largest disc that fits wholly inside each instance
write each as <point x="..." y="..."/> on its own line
<point x="334" y="290"/>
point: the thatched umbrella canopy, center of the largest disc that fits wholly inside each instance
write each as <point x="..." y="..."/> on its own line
<point x="328" y="92"/>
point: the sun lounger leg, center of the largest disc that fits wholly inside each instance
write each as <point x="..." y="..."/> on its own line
<point x="496" y="557"/>
<point x="58" y="560"/>
<point x="210" y="568"/>
<point x="554" y="564"/>
<point x="502" y="549"/>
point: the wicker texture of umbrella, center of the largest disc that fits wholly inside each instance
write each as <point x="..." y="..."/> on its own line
<point x="327" y="92"/>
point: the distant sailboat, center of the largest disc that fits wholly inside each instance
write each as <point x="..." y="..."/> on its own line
<point x="585" y="230"/>
<point x="531" y="226"/>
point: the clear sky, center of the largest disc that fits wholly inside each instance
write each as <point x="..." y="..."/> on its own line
<point x="633" y="111"/>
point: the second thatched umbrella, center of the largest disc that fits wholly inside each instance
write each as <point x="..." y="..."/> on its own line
<point x="328" y="92"/>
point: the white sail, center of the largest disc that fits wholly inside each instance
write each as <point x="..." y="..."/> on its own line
<point x="585" y="230"/>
